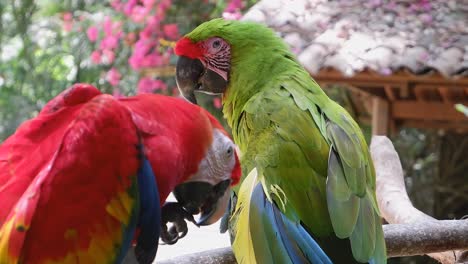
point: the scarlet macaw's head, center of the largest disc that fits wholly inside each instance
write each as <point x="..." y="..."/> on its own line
<point x="208" y="190"/>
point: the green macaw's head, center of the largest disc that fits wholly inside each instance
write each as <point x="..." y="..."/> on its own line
<point x="217" y="50"/>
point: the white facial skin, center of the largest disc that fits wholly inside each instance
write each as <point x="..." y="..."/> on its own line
<point x="219" y="161"/>
<point x="216" y="167"/>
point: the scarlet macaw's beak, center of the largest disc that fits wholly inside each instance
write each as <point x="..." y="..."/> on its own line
<point x="201" y="197"/>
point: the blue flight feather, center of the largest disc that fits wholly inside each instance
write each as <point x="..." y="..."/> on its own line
<point x="293" y="239"/>
<point x="149" y="220"/>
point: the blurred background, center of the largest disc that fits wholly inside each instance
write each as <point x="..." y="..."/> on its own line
<point x="399" y="67"/>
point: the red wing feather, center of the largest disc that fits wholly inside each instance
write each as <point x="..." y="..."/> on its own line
<point x="73" y="174"/>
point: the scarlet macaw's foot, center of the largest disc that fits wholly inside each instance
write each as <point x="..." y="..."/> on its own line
<point x="173" y="212"/>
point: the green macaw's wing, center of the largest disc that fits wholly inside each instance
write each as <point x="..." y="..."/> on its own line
<point x="342" y="203"/>
<point x="291" y="157"/>
<point x="350" y="184"/>
<point x="274" y="238"/>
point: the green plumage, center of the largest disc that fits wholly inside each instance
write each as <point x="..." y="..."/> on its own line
<point x="310" y="155"/>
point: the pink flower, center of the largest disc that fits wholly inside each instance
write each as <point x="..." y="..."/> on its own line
<point x="67" y="16"/>
<point x="117" y="27"/>
<point x="161" y="12"/>
<point x="135" y="62"/>
<point x="92" y="33"/>
<point x="153" y="23"/>
<point x="148" y="3"/>
<point x="234" y="5"/>
<point x="129" y="7"/>
<point x="67" y="21"/>
<point x="109" y="56"/>
<point x="171" y="31"/>
<point x="165" y="4"/>
<point x="140" y="49"/>
<point x="96" y="57"/>
<point x="146" y="33"/>
<point x="217" y="102"/>
<point x="110" y="42"/>
<point x="113" y="76"/>
<point x="117" y="5"/>
<point x="107" y="26"/>
<point x="139" y="13"/>
<point x="148" y="85"/>
<point x="232" y="11"/>
<point x="152" y="60"/>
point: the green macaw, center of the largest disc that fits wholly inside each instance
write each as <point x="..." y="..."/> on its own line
<point x="305" y="151"/>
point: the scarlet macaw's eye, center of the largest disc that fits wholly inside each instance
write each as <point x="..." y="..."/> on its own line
<point x="229" y="151"/>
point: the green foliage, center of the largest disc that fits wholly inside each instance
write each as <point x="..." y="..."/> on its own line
<point x="44" y="48"/>
<point x="37" y="60"/>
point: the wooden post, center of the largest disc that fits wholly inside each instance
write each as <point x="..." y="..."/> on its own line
<point x="380" y="116"/>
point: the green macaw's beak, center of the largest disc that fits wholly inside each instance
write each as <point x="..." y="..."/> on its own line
<point x="204" y="198"/>
<point x="192" y="75"/>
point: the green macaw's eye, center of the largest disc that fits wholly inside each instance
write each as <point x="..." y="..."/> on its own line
<point x="216" y="44"/>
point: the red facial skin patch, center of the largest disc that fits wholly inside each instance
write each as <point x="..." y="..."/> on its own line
<point x="185" y="47"/>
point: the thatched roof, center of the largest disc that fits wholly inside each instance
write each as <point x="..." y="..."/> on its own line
<point x="384" y="36"/>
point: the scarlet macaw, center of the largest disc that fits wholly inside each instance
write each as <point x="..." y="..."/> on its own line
<point x="78" y="180"/>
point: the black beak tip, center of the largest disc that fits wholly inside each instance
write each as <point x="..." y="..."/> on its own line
<point x="191" y="98"/>
<point x="203" y="198"/>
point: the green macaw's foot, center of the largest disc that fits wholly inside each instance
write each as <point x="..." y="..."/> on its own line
<point x="203" y="198"/>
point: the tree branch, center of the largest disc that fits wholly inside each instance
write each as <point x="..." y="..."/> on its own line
<point x="420" y="238"/>
<point x="213" y="256"/>
<point x="410" y="232"/>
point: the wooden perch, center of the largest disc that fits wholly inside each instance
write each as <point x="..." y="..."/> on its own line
<point x="410" y="232"/>
<point x="213" y="256"/>
<point x="423" y="237"/>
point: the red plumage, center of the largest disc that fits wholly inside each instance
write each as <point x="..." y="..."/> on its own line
<point x="59" y="175"/>
<point x="67" y="177"/>
<point x="174" y="133"/>
<point x="176" y="136"/>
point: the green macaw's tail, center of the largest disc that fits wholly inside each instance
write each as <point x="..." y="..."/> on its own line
<point x="271" y="236"/>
